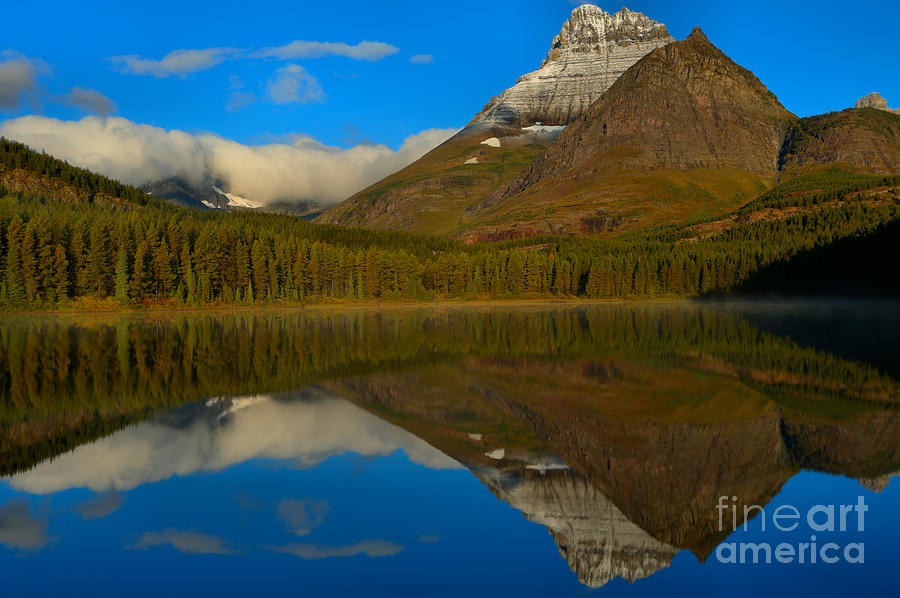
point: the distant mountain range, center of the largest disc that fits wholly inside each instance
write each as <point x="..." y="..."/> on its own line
<point x="622" y="128"/>
<point x="210" y="195"/>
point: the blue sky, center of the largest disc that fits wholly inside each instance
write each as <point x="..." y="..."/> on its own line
<point x="299" y="100"/>
<point x="816" y="56"/>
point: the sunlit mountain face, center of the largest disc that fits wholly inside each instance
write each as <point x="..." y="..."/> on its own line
<point x="538" y="451"/>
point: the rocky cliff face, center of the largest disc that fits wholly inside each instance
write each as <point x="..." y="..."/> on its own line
<point x="591" y="51"/>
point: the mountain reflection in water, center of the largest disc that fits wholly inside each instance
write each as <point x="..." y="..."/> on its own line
<point x="614" y="427"/>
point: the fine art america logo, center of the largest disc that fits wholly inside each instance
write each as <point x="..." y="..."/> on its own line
<point x="788" y="519"/>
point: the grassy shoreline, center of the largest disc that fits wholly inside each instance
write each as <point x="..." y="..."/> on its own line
<point x="156" y="309"/>
<point x="112" y="309"/>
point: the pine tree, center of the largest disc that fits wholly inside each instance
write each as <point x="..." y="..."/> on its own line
<point x="97" y="263"/>
<point x="28" y="264"/>
<point x="594" y="287"/>
<point x="140" y="277"/>
<point x="59" y="280"/>
<point x="15" y="284"/>
<point x="122" y="282"/>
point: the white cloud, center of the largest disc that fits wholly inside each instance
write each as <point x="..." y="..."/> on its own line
<point x="292" y="84"/>
<point x="238" y="100"/>
<point x="100" y="506"/>
<point x="302" y="516"/>
<point x="178" y="62"/>
<point x="18" y="77"/>
<point x="185" y="542"/>
<point x="19" y="528"/>
<point x="370" y="548"/>
<point x="303" y="169"/>
<point x="421" y="59"/>
<point x="364" y="50"/>
<point x="302" y="431"/>
<point x="88" y="100"/>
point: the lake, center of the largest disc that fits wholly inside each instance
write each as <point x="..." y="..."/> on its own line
<point x="527" y="450"/>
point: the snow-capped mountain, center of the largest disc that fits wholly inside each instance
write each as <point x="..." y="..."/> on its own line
<point x="589" y="54"/>
<point x="212" y="195"/>
<point x="208" y="194"/>
<point x="591" y="51"/>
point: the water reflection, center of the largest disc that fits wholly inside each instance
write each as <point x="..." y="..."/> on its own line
<point x="219" y="433"/>
<point x="613" y="427"/>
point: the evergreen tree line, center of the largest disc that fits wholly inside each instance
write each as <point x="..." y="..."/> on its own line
<point x="56" y="252"/>
<point x="816" y="188"/>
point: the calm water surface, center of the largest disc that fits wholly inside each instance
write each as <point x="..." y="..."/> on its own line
<point x="549" y="451"/>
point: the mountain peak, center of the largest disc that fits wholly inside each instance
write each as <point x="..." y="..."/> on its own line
<point x="589" y="28"/>
<point x="697" y="33"/>
<point x="591" y="51"/>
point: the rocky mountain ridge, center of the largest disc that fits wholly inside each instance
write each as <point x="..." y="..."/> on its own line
<point x="683" y="133"/>
<point x="673" y="114"/>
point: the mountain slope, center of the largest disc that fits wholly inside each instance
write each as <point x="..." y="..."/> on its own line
<point x="432" y="194"/>
<point x="437" y="193"/>
<point x="23" y="170"/>
<point x="865" y="139"/>
<point x="684" y="128"/>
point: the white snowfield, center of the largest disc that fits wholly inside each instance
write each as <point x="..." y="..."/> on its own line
<point x="542" y="128"/>
<point x="471" y="161"/>
<point x="592" y="50"/>
<point x="492" y="141"/>
<point x="496" y="454"/>
<point x="236" y="201"/>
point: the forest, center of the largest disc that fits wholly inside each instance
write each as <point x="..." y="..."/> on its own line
<point x="135" y="249"/>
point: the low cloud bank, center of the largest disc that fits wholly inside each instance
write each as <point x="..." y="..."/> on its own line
<point x="301" y="169"/>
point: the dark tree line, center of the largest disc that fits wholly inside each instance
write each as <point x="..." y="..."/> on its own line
<point x="816" y="188"/>
<point x="54" y="253"/>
